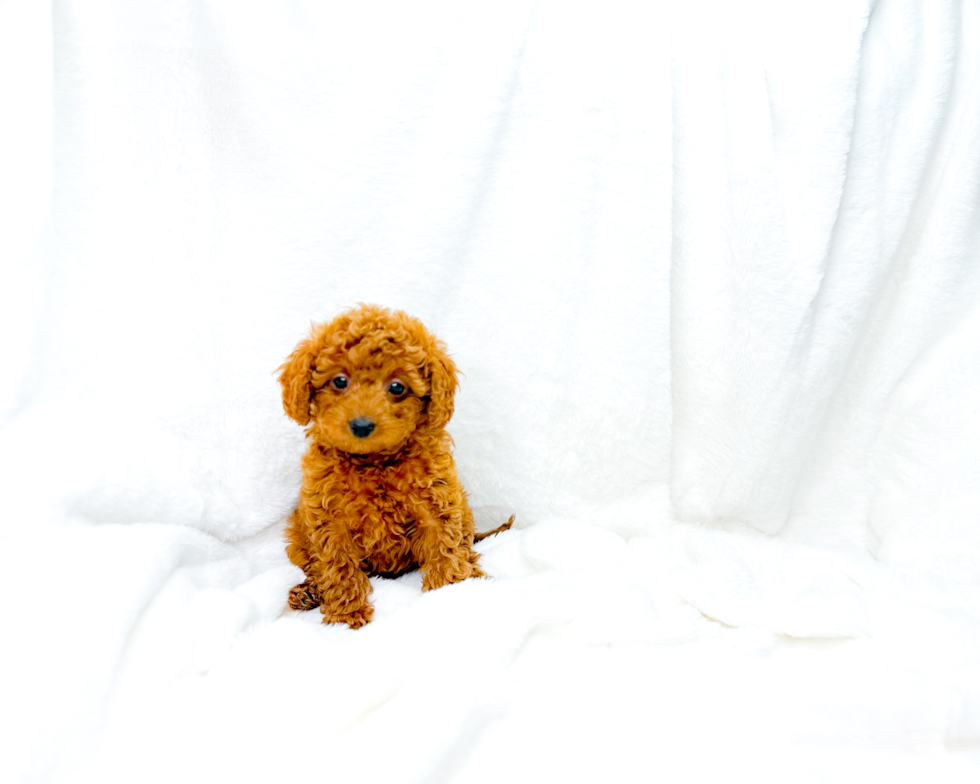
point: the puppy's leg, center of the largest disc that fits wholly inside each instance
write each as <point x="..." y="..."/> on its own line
<point x="304" y="596"/>
<point x="443" y="551"/>
<point x="297" y="540"/>
<point x="343" y="586"/>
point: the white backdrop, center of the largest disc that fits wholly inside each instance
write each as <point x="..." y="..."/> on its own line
<point x="711" y="274"/>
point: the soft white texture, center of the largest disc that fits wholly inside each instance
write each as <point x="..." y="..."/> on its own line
<point x="712" y="274"/>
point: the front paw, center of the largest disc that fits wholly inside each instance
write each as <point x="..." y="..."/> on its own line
<point x="353" y="618"/>
<point x="437" y="576"/>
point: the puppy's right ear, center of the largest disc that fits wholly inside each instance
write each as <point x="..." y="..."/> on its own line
<point x="296" y="377"/>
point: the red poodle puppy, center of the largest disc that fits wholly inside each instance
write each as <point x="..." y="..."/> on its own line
<point x="380" y="493"/>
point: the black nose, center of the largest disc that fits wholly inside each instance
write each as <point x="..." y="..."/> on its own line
<point x="361" y="427"/>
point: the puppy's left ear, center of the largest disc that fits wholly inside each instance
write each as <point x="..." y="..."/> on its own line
<point x="442" y="385"/>
<point x="296" y="378"/>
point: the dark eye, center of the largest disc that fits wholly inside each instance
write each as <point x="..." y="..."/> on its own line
<point x="396" y="388"/>
<point x="339" y="382"/>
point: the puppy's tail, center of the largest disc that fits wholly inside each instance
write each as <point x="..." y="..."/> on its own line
<point x="496" y="530"/>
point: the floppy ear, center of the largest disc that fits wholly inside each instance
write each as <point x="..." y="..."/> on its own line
<point x="296" y="377"/>
<point x="442" y="385"/>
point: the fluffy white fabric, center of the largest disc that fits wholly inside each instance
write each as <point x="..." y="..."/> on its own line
<point x="711" y="273"/>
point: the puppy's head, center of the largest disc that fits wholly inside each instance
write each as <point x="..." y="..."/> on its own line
<point x="369" y="379"/>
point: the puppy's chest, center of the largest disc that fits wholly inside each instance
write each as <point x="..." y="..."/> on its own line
<point x="378" y="516"/>
<point x="374" y="502"/>
<point x="383" y="491"/>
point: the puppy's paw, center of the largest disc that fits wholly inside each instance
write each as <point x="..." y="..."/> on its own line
<point x="433" y="578"/>
<point x="304" y="597"/>
<point x="355" y="618"/>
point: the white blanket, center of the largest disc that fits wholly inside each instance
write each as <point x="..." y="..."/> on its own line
<point x="711" y="273"/>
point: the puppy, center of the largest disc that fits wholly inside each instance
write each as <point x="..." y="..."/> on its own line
<point x="380" y="493"/>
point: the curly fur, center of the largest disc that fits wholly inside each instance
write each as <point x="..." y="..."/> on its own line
<point x="386" y="501"/>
